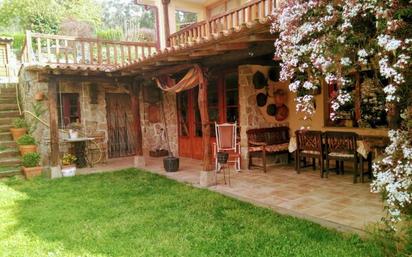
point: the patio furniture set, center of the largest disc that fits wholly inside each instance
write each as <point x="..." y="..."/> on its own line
<point x="309" y="147"/>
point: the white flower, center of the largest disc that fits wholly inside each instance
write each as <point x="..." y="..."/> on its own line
<point x="345" y="61"/>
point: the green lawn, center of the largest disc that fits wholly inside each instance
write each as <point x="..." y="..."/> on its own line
<point x="134" y="213"/>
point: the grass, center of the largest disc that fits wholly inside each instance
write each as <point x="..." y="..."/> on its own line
<point x="134" y="213"/>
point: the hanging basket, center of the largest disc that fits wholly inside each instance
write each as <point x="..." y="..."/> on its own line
<point x="171" y="164"/>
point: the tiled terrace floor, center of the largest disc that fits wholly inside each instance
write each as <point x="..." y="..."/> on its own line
<point x="334" y="202"/>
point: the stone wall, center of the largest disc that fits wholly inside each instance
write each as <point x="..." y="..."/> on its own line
<point x="250" y="115"/>
<point x="153" y="129"/>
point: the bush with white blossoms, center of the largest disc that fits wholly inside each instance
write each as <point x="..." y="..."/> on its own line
<point x="324" y="42"/>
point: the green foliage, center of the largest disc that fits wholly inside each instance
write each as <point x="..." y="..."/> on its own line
<point x="18" y="39"/>
<point x="135" y="213"/>
<point x="30" y="160"/>
<point x="45" y="15"/>
<point x="20" y="123"/>
<point x="110" y="34"/>
<point x="26" y="140"/>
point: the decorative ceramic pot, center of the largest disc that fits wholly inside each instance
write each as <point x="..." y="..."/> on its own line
<point x="73" y="134"/>
<point x="171" y="164"/>
<point x="39" y="96"/>
<point x="32" y="172"/>
<point x="69" y="171"/>
<point x="16" y="133"/>
<point x="24" y="149"/>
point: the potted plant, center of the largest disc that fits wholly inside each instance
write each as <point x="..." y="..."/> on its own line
<point x="19" y="128"/>
<point x="68" y="168"/>
<point x="31" y="165"/>
<point x="39" y="96"/>
<point x="27" y="144"/>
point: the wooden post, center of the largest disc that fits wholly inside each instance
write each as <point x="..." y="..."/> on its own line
<point x="28" y="46"/>
<point x="54" y="130"/>
<point x="136" y="114"/>
<point x="166" y="20"/>
<point x="204" y="116"/>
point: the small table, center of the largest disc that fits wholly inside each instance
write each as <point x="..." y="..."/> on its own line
<point x="79" y="145"/>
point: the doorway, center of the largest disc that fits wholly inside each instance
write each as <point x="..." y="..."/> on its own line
<point x="223" y="106"/>
<point x="120" y="123"/>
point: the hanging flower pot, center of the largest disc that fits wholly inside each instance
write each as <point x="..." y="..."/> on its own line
<point x="171" y="164"/>
<point x="39" y="96"/>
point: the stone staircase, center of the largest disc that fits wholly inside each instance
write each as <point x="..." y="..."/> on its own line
<point x="9" y="155"/>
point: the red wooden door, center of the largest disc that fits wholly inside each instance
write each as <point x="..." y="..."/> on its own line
<point x="222" y="106"/>
<point x="190" y="132"/>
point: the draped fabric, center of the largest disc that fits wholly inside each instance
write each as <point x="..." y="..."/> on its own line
<point x="192" y="78"/>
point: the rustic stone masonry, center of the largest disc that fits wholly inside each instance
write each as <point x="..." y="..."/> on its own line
<point x="250" y="115"/>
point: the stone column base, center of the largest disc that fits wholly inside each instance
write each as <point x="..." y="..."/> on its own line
<point x="139" y="161"/>
<point x="207" y="178"/>
<point x="55" y="172"/>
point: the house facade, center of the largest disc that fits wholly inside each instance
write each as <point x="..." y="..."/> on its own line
<point x="110" y="90"/>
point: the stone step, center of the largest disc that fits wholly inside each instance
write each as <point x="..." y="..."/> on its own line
<point x="9" y="89"/>
<point x="9" y="114"/>
<point x="8" y="100"/>
<point x="5" y="128"/>
<point x="5" y="136"/>
<point x="8" y="107"/>
<point x="9" y="171"/>
<point x="6" y="120"/>
<point x="8" y="144"/>
<point x="9" y="153"/>
<point x="10" y="162"/>
<point x="8" y="95"/>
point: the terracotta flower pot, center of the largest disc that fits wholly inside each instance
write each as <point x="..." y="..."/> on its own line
<point x="32" y="172"/>
<point x="39" y="96"/>
<point x="16" y="133"/>
<point x="27" y="149"/>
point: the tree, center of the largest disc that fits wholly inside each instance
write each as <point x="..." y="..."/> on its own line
<point x="46" y="15"/>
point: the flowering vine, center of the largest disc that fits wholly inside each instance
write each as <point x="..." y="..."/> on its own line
<point x="326" y="43"/>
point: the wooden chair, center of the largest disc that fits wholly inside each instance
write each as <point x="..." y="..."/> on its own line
<point x="226" y="141"/>
<point x="309" y="145"/>
<point x="341" y="147"/>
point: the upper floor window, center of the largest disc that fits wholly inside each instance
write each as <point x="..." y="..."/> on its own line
<point x="184" y="19"/>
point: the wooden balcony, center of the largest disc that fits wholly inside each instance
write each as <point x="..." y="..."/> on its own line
<point x="232" y="19"/>
<point x="41" y="49"/>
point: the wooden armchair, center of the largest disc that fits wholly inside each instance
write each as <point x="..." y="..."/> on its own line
<point x="341" y="146"/>
<point x="309" y="145"/>
<point x="267" y="140"/>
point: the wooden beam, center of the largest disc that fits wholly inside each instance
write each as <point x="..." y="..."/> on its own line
<point x="166" y="20"/>
<point x="135" y="92"/>
<point x="231" y="46"/>
<point x="204" y="116"/>
<point x="54" y="129"/>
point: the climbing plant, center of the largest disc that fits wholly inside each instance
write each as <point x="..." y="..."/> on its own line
<point x="322" y="43"/>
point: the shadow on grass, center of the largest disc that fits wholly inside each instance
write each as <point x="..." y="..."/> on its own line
<point x="134" y="213"/>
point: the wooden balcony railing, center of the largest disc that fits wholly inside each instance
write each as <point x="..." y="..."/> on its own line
<point x="249" y="12"/>
<point x="56" y="49"/>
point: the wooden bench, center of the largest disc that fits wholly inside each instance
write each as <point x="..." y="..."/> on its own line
<point x="267" y="140"/>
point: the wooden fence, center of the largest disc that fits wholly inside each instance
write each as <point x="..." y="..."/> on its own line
<point x="249" y="12"/>
<point x="56" y="49"/>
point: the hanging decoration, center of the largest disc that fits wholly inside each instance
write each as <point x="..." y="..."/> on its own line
<point x="271" y="95"/>
<point x="192" y="78"/>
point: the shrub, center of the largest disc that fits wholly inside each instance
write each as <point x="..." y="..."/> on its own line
<point x="30" y="160"/>
<point x="26" y="140"/>
<point x="110" y="34"/>
<point x="20" y="123"/>
<point x="68" y="159"/>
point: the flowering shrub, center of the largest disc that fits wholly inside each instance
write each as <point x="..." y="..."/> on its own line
<point x="325" y="42"/>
